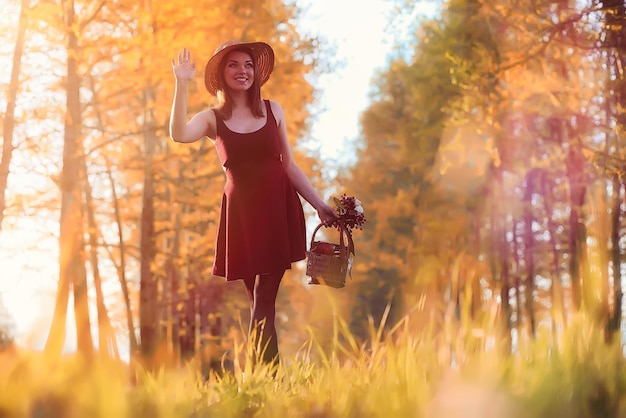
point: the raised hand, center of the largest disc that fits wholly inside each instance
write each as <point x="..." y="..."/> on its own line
<point x="185" y="69"/>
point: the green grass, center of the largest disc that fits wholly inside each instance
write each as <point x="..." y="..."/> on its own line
<point x="457" y="372"/>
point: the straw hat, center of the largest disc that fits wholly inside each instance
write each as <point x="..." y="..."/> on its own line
<point x="264" y="55"/>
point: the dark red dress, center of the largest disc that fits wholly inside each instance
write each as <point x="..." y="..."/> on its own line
<point x="262" y="228"/>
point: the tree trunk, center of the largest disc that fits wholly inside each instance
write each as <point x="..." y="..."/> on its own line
<point x="72" y="257"/>
<point x="148" y="308"/>
<point x="149" y="319"/>
<point x="575" y="170"/>
<point x="595" y="259"/>
<point x="148" y="299"/>
<point x="106" y="337"/>
<point x="529" y="248"/>
<point x="9" y="115"/>
<point x="615" y="320"/>
<point x="506" y="312"/>
<point x="121" y="268"/>
<point x="500" y="264"/>
<point x="517" y="281"/>
<point x="615" y="44"/>
<point x="557" y="311"/>
<point x="174" y="297"/>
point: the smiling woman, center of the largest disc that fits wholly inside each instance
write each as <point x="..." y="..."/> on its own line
<point x="28" y="253"/>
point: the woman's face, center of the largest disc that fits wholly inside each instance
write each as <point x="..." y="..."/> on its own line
<point x="238" y="71"/>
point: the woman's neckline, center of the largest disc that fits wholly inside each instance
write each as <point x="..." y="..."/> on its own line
<point x="246" y="133"/>
<point x="256" y="130"/>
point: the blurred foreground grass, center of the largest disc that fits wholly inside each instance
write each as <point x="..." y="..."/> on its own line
<point x="455" y="373"/>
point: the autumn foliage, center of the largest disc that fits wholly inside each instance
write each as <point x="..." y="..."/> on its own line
<point x="490" y="163"/>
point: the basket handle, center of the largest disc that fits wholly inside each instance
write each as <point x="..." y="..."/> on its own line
<point x="343" y="248"/>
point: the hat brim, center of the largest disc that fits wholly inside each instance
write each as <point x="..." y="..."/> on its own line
<point x="265" y="62"/>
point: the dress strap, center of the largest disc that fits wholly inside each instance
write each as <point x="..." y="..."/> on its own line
<point x="217" y="114"/>
<point x="268" y="106"/>
<point x="219" y="122"/>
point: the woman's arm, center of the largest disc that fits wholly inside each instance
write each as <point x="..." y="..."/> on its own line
<point x="302" y="184"/>
<point x="201" y="124"/>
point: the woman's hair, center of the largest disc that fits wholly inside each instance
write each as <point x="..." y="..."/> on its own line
<point x="224" y="97"/>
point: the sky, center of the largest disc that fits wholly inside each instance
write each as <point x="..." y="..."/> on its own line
<point x="361" y="33"/>
<point x="361" y="44"/>
<point x="355" y="27"/>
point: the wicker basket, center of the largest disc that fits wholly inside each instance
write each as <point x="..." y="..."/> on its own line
<point x="328" y="263"/>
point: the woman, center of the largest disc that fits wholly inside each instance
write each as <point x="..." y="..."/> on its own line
<point x="261" y="229"/>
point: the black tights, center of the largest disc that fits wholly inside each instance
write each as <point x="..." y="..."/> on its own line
<point x="262" y="291"/>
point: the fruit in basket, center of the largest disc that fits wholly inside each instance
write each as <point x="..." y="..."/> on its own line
<point x="324" y="248"/>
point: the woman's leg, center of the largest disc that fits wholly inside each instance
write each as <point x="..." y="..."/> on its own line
<point x="262" y="294"/>
<point x="249" y="283"/>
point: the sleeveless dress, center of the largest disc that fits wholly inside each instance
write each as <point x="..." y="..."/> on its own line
<point x="261" y="227"/>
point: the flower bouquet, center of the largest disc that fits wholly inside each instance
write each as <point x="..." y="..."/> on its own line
<point x="329" y="263"/>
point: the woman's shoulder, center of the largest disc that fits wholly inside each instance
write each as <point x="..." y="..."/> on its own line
<point x="277" y="109"/>
<point x="209" y="114"/>
<point x="274" y="104"/>
<point x="212" y="110"/>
